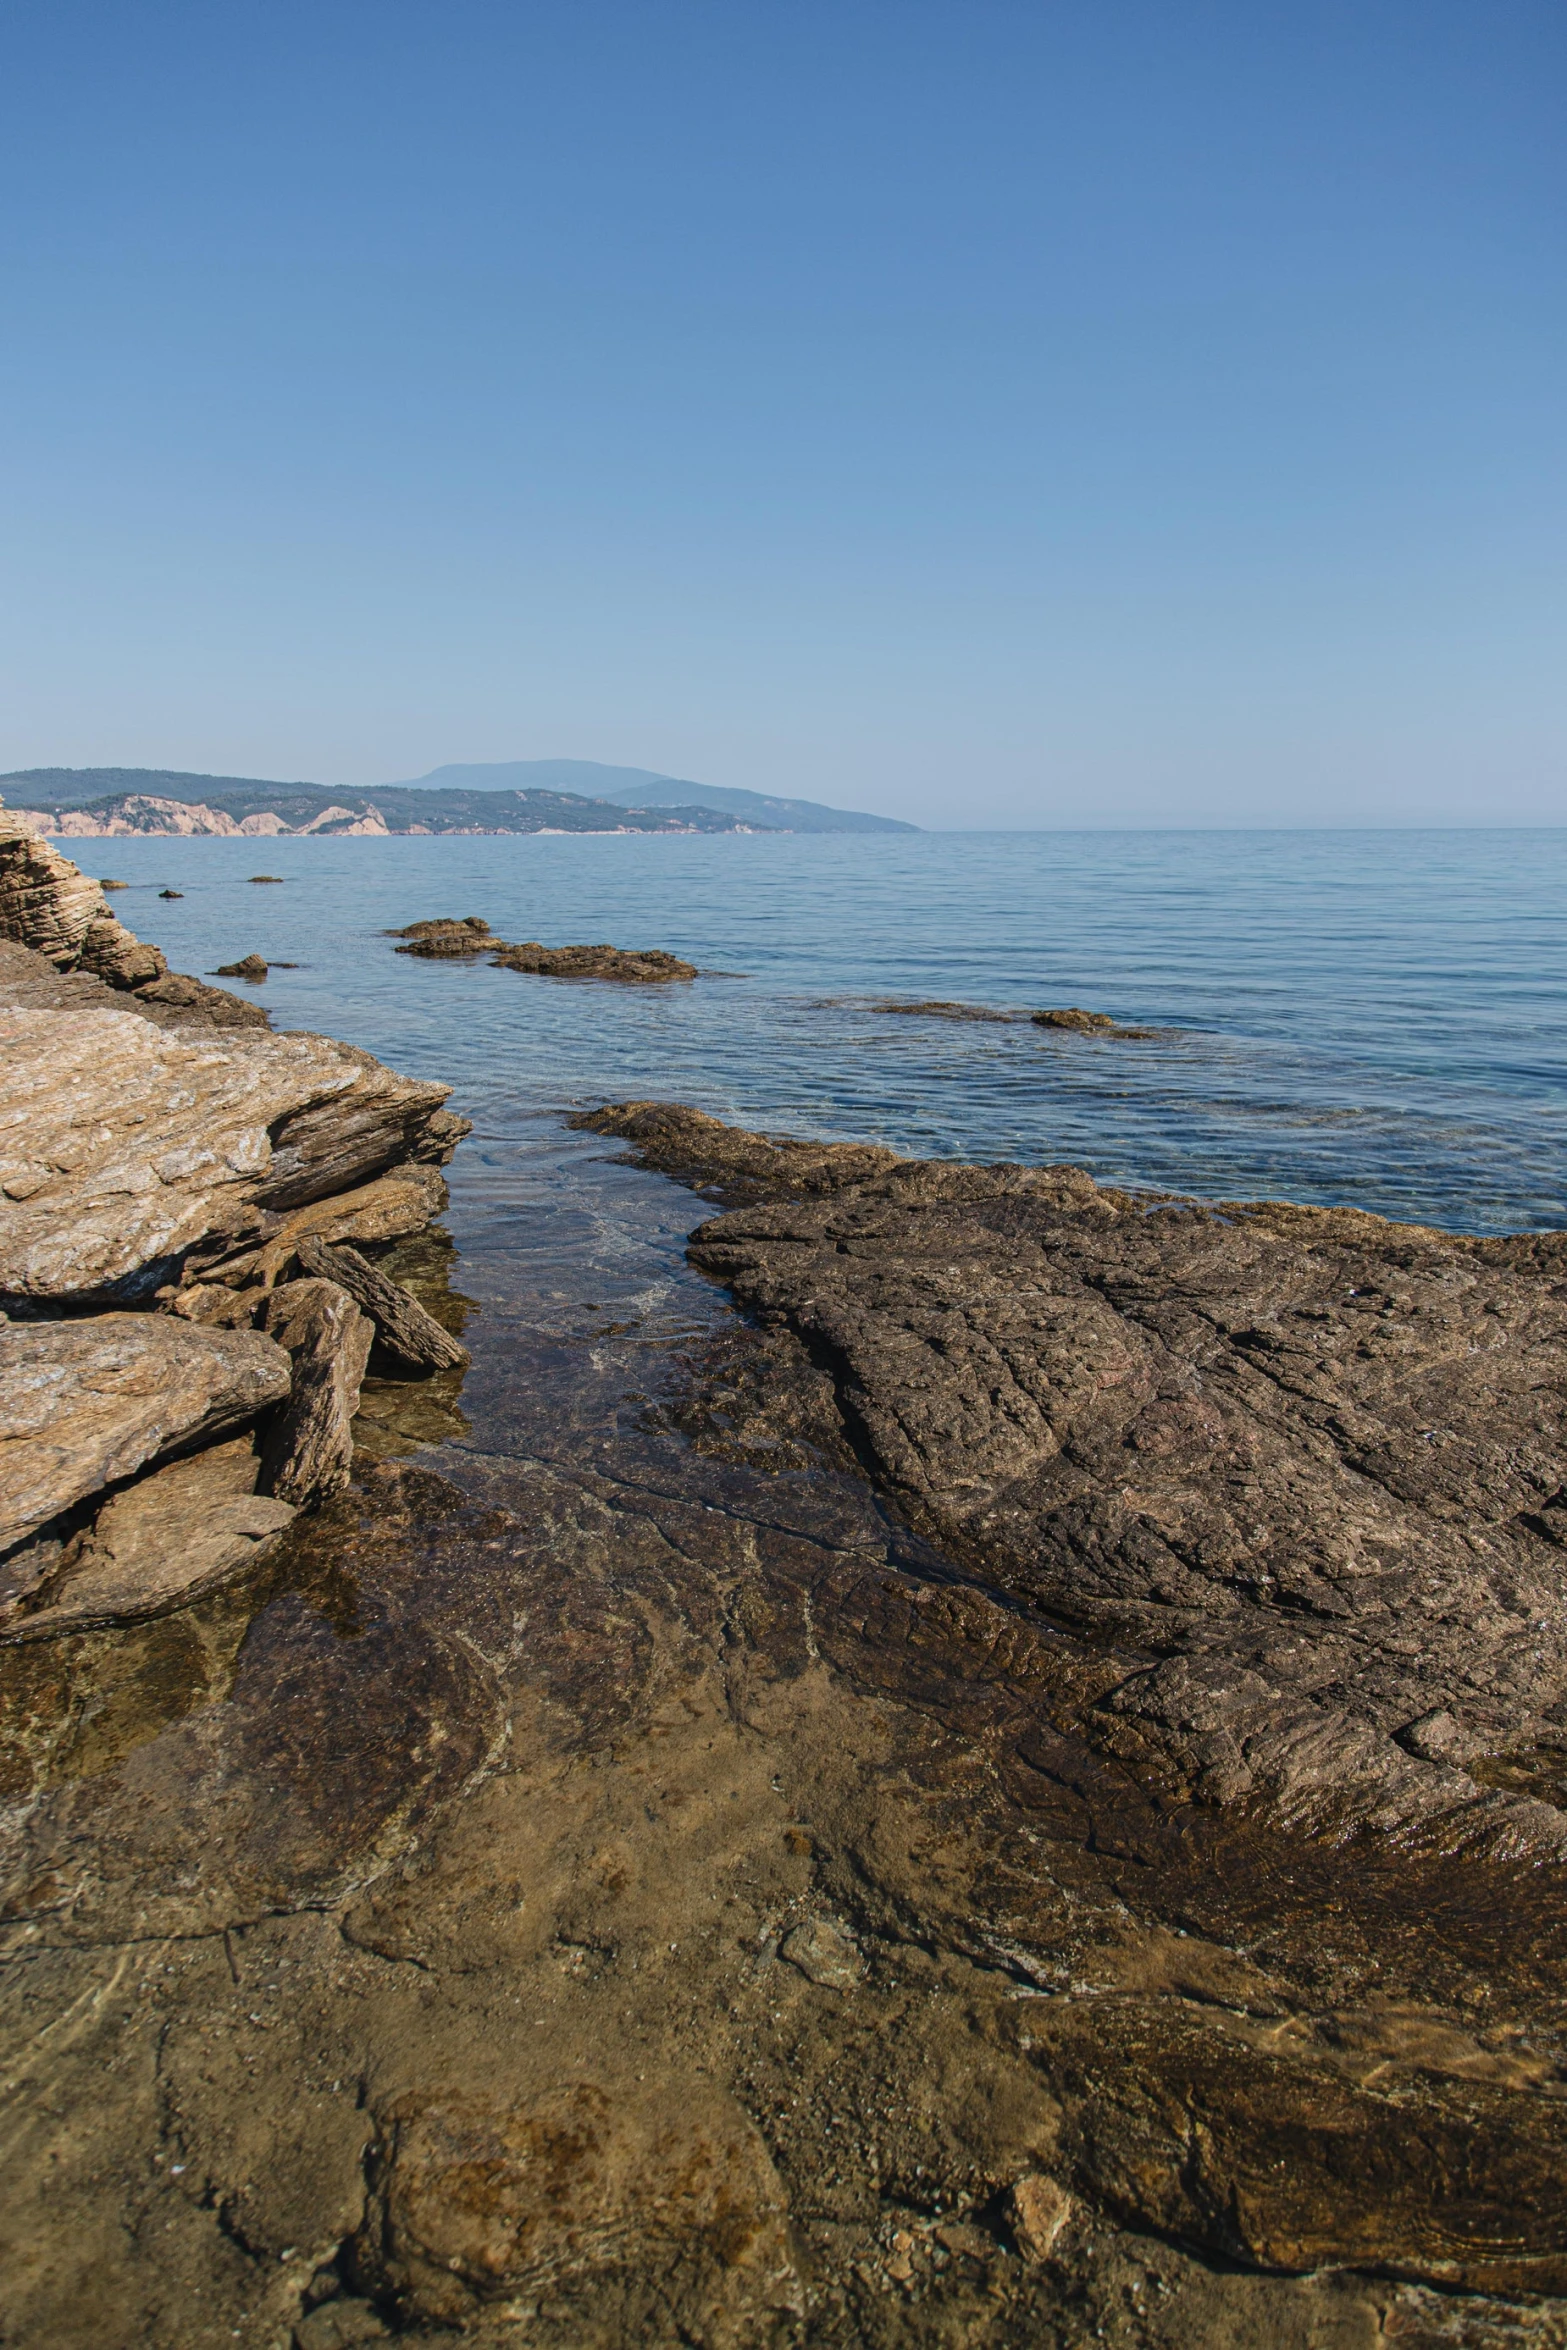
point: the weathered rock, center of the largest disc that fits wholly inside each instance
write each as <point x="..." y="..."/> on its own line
<point x="728" y="1163"/>
<point x="85" y="1403"/>
<point x="401" y="1323"/>
<point x="163" y="1542"/>
<point x="445" y="938"/>
<point x="45" y="902"/>
<point x="1298" y="1472"/>
<point x="1081" y="1023"/>
<point x="29" y="982"/>
<point x="248" y="967"/>
<point x="118" y="957"/>
<point x="122" y="1146"/>
<point x="395" y="1205"/>
<point x="627" y="966"/>
<point x="824" y="1954"/>
<point x="1039" y="2211"/>
<point x="310" y="1450"/>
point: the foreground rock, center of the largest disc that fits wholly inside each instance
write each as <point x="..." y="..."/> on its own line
<point x="123" y="1146"/>
<point x="85" y="1403"/>
<point x="310" y="1450"/>
<point x="1297" y="1472"/>
<point x="165" y="1542"/>
<point x="402" y="1326"/>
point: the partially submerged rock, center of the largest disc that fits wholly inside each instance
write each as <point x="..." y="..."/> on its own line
<point x="935" y="1009"/>
<point x="1081" y="1023"/>
<point x="86" y="1403"/>
<point x="122" y="1146"/>
<point x="628" y="967"/>
<point x="729" y="1163"/>
<point x="161" y="1544"/>
<point x="445" y="938"/>
<point x="402" y="1326"/>
<point x="252" y="967"/>
<point x="309" y="1451"/>
<point x="1297" y="1473"/>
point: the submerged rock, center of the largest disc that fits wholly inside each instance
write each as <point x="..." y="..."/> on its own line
<point x="85" y="1403"/>
<point x="935" y="1009"/>
<point x="163" y="1543"/>
<point x="1297" y="1472"/>
<point x="729" y="1163"/>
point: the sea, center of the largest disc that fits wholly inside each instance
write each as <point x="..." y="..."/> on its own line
<point x="1368" y="1018"/>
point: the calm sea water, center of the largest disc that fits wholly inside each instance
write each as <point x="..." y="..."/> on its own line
<point x="1373" y="1018"/>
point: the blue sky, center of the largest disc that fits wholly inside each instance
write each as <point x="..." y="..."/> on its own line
<point x="1132" y="411"/>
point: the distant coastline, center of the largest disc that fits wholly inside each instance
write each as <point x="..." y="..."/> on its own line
<point x="100" y="803"/>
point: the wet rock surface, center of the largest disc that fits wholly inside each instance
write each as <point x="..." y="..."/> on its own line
<point x="1295" y="1473"/>
<point x="626" y="966"/>
<point x="1077" y="1022"/>
<point x="619" y="1881"/>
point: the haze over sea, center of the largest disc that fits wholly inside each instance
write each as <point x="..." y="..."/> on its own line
<point x="1376" y="1019"/>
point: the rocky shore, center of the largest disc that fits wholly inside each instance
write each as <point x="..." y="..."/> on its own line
<point x="1009" y="1792"/>
<point x="184" y="1345"/>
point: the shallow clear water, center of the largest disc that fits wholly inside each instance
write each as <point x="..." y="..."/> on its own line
<point x="1370" y="1018"/>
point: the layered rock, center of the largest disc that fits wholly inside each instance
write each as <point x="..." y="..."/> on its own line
<point x="122" y="1146"/>
<point x="310" y="1448"/>
<point x="84" y="1404"/>
<point x="1296" y="1474"/>
<point x="626" y="966"/>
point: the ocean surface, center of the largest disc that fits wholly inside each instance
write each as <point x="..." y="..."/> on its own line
<point x="1368" y="1018"/>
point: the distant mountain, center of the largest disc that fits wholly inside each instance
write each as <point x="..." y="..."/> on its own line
<point x="639" y="787"/>
<point x="229" y="804"/>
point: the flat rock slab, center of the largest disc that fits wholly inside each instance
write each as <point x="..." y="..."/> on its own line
<point x="165" y="1541"/>
<point x="627" y="966"/>
<point x="1297" y="1472"/>
<point x="85" y="1403"/>
<point x="122" y="1145"/>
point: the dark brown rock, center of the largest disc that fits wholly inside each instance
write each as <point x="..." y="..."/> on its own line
<point x="401" y="1323"/>
<point x="310" y="1450"/>
<point x="1081" y="1023"/>
<point x="1297" y="1471"/>
<point x="728" y="1163"/>
<point x="445" y="939"/>
<point x="628" y="967"/>
<point x="248" y="967"/>
<point x="937" y="1010"/>
<point x="264" y="877"/>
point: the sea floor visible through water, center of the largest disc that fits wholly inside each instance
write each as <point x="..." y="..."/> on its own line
<point x="598" y="1885"/>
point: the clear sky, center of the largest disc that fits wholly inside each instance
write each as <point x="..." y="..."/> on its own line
<point x="985" y="411"/>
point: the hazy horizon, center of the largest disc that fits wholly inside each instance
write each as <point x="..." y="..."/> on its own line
<point x="994" y="418"/>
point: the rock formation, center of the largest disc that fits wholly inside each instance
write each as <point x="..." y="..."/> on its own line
<point x="152" y="1157"/>
<point x="1294" y="1474"/>
<point x="444" y="939"/>
<point x="1080" y="1023"/>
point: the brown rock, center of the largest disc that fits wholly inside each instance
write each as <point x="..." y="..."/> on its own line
<point x="1297" y="1472"/>
<point x="196" y="1005"/>
<point x="626" y="966"/>
<point x="479" y="2202"/>
<point x="165" y="1541"/>
<point x="824" y="1954"/>
<point x="117" y="956"/>
<point x="85" y="1403"/>
<point x="445" y="938"/>
<point x="1082" y="1023"/>
<point x="45" y="902"/>
<point x="1039" y="2212"/>
<point x="389" y="1209"/>
<point x="728" y="1162"/>
<point x="402" y="1325"/>
<point x="310" y="1450"/>
<point x="248" y="967"/>
<point x="122" y="1146"/>
<point x="264" y="877"/>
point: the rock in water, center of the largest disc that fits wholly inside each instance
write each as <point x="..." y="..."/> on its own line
<point x="310" y="1452"/>
<point x="248" y="967"/>
<point x="123" y="1145"/>
<point x="85" y="1403"/>
<point x="627" y="966"/>
<point x="402" y="1325"/>
<point x="165" y="1541"/>
<point x="445" y="939"/>
<point x="1297" y="1473"/>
